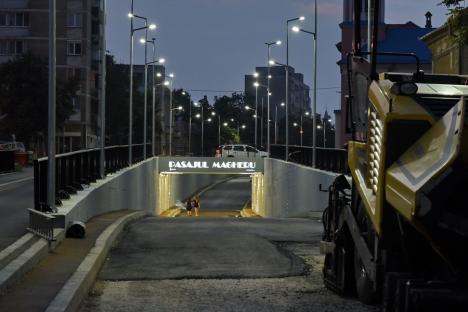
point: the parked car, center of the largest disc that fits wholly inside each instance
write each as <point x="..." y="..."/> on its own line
<point x="241" y="150"/>
<point x="12" y="146"/>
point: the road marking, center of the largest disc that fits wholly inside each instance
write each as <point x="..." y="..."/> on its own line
<point x="16" y="181"/>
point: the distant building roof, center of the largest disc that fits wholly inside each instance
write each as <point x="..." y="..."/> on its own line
<point x="403" y="39"/>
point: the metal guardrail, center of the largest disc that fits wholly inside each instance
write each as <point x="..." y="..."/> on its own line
<point x="41" y="224"/>
<point x="75" y="169"/>
<point x="329" y="159"/>
<point x="7" y="161"/>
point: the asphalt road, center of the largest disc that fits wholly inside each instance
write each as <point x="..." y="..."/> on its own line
<point x="16" y="195"/>
<point x="227" y="196"/>
<point x="216" y="264"/>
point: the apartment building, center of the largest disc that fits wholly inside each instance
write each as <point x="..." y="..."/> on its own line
<point x="24" y="27"/>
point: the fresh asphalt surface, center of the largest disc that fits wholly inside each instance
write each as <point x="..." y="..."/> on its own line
<point x="217" y="264"/>
<point x="16" y="195"/>
<point x="227" y="196"/>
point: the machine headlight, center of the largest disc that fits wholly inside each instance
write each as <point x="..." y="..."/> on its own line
<point x="404" y="88"/>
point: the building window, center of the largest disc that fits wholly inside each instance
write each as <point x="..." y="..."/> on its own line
<point x="10" y="19"/>
<point x="74" y="48"/>
<point x="12" y="47"/>
<point x="74" y="20"/>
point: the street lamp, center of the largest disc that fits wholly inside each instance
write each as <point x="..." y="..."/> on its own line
<point x="179" y="108"/>
<point x="171" y="76"/>
<point x="153" y="99"/>
<point x="301" y="18"/>
<point x="276" y="121"/>
<point x="202" y="125"/>
<point x="314" y="106"/>
<point x="257" y="85"/>
<point x="132" y="16"/>
<point x="269" y="44"/>
<point x="190" y="121"/>
<point x="302" y="129"/>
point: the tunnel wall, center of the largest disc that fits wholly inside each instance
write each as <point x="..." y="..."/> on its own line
<point x="292" y="190"/>
<point x="130" y="188"/>
<point x="185" y="185"/>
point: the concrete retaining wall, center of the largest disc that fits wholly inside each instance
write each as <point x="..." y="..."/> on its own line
<point x="131" y="188"/>
<point x="292" y="190"/>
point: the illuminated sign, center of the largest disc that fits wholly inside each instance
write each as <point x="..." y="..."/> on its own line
<point x="210" y="165"/>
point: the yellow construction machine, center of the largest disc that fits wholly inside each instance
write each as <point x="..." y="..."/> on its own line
<point x="396" y="229"/>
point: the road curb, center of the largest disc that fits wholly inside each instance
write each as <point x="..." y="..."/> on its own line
<point x="79" y="284"/>
<point x="13" y="250"/>
<point x="26" y="259"/>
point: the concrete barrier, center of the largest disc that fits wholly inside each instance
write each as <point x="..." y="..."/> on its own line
<point x="292" y="190"/>
<point x="130" y="188"/>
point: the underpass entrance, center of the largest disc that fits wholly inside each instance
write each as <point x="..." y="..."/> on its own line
<point x="182" y="177"/>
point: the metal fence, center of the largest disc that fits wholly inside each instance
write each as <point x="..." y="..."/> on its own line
<point x="7" y="161"/>
<point x="329" y="159"/>
<point x="75" y="169"/>
<point x="41" y="224"/>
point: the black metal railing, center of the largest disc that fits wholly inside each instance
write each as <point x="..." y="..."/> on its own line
<point x="75" y="169"/>
<point x="329" y="159"/>
<point x="7" y="161"/>
<point x="41" y="224"/>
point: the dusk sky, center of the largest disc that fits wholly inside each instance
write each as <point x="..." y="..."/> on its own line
<point x="212" y="44"/>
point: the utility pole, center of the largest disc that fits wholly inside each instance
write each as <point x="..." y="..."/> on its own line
<point x="52" y="106"/>
<point x="103" y="91"/>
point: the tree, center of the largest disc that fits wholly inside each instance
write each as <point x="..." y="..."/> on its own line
<point x="117" y="95"/>
<point x="458" y="19"/>
<point x="24" y="98"/>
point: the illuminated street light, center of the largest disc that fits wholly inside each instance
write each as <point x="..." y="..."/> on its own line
<point x="255" y="75"/>
<point x="197" y="115"/>
<point x="171" y="75"/>
<point x="225" y="124"/>
<point x="142" y="40"/>
<point x="162" y="61"/>
<point x="132" y="16"/>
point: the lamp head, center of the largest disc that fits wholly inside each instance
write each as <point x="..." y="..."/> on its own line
<point x="130" y="15"/>
<point x="166" y="83"/>
<point x="171" y="75"/>
<point x="225" y="124"/>
<point x="142" y="40"/>
<point x="162" y="60"/>
<point x="295" y="29"/>
<point x="256" y="84"/>
<point x="158" y="75"/>
<point x="301" y="18"/>
<point x="213" y="113"/>
<point x="278" y="42"/>
<point x="152" y="26"/>
<point x="197" y="116"/>
<point x="180" y="107"/>
<point x="255" y="75"/>
<point x="282" y="104"/>
<point x="271" y="62"/>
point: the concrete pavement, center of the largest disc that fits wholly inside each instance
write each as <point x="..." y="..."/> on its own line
<point x="16" y="195"/>
<point x="38" y="288"/>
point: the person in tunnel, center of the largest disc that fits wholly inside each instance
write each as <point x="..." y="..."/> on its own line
<point x="196" y="205"/>
<point x="189" y="206"/>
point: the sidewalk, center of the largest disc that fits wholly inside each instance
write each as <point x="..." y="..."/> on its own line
<point x="39" y="287"/>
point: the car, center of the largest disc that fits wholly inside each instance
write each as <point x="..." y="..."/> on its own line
<point x="240" y="150"/>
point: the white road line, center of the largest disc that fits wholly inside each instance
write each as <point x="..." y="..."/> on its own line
<point x="16" y="181"/>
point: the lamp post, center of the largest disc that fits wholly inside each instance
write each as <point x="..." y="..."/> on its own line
<point x="131" y="15"/>
<point x="202" y="126"/>
<point x="190" y="121"/>
<point x="276" y="121"/>
<point x="171" y="76"/>
<point x="153" y="97"/>
<point x="302" y="129"/>
<point x="314" y="106"/>
<point x="269" y="44"/>
<point x="256" y="85"/>
<point x="103" y="93"/>
<point x="180" y="108"/>
<point x="301" y="18"/>
<point x="51" y="105"/>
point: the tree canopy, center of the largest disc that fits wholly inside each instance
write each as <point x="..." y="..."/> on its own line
<point x="24" y="98"/>
<point x="458" y="19"/>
